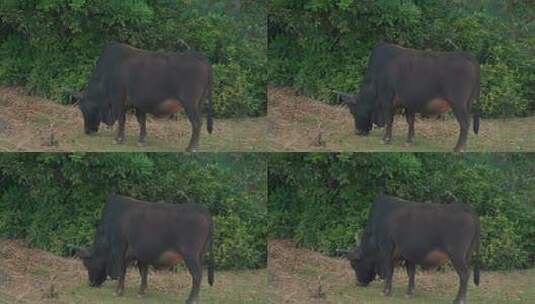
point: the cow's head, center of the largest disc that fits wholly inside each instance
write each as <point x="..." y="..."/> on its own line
<point x="364" y="259"/>
<point x="94" y="264"/>
<point x="364" y="266"/>
<point x="91" y="111"/>
<point x="94" y="110"/>
<point x="361" y="110"/>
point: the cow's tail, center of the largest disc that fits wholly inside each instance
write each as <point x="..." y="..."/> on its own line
<point x="475" y="111"/>
<point x="477" y="257"/>
<point x="209" y="114"/>
<point x="211" y="262"/>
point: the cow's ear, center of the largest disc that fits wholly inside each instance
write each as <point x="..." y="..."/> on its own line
<point x="80" y="252"/>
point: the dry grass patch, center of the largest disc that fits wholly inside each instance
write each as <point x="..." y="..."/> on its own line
<point x="29" y="123"/>
<point x="298" y="123"/>
<point x="35" y="276"/>
<point x="298" y="275"/>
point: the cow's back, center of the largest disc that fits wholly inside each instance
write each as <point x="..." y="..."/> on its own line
<point x="418" y="228"/>
<point x="149" y="230"/>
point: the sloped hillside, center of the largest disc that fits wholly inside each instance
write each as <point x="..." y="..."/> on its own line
<point x="298" y="275"/>
<point x="29" y="123"/>
<point x="35" y="276"/>
<point x="299" y="123"/>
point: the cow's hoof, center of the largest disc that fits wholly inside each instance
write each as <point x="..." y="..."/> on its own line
<point x="191" y="149"/>
<point x="118" y="141"/>
<point x="141" y="144"/>
<point x="458" y="302"/>
<point x="386" y="141"/>
<point x="386" y="293"/>
<point x="409" y="295"/>
<point x="140" y="295"/>
<point x="118" y="294"/>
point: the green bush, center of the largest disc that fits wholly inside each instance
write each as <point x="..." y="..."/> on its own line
<point x="53" y="200"/>
<point x="321" y="46"/>
<point x="322" y="200"/>
<point x="51" y="46"/>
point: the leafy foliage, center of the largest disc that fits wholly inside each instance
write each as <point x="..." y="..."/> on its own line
<point x="51" y="46"/>
<point x="323" y="200"/>
<point x="56" y="199"/>
<point x="321" y="46"/>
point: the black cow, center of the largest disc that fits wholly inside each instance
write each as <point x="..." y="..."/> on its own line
<point x="419" y="82"/>
<point x="150" y="82"/>
<point x="149" y="234"/>
<point x="416" y="233"/>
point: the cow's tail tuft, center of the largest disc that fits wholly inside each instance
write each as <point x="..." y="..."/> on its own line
<point x="476" y="113"/>
<point x="476" y="260"/>
<point x="211" y="262"/>
<point x="476" y="104"/>
<point x="209" y="114"/>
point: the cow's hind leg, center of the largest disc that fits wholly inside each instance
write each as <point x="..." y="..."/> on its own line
<point x="142" y="120"/>
<point x="143" y="272"/>
<point x="464" y="122"/>
<point x="193" y="262"/>
<point x="411" y="117"/>
<point x="411" y="270"/>
<point x="194" y="116"/>
<point x="464" y="274"/>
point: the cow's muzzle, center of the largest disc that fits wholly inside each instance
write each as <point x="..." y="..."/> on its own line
<point x="362" y="132"/>
<point x="90" y="132"/>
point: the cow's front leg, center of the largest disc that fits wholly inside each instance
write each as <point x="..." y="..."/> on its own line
<point x="142" y="120"/>
<point x="389" y="117"/>
<point x="389" y="273"/>
<point x="411" y="117"/>
<point x="411" y="269"/>
<point x="119" y="291"/>
<point x="120" y="132"/>
<point x="143" y="272"/>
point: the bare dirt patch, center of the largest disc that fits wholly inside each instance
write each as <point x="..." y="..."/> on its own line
<point x="299" y="123"/>
<point x="29" y="123"/>
<point x="299" y="275"/>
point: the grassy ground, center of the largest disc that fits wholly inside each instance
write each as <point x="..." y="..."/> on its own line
<point x="299" y="123"/>
<point x="35" y="124"/>
<point x="35" y="276"/>
<point x="299" y="275"/>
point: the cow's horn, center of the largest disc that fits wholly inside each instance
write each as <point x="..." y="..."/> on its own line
<point x="339" y="95"/>
<point x="340" y="252"/>
<point x="78" y="251"/>
<point x="77" y="95"/>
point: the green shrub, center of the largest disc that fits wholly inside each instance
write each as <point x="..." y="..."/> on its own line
<point x="322" y="200"/>
<point x="53" y="200"/>
<point x="51" y="46"/>
<point x="321" y="46"/>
